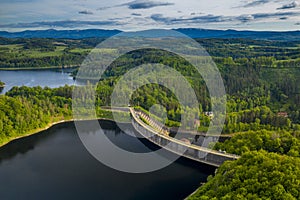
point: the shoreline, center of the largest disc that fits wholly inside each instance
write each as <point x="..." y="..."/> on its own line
<point x="36" y="68"/>
<point x="50" y="125"/>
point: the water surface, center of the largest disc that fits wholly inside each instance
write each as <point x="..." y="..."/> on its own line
<point x="31" y="78"/>
<point x="55" y="165"/>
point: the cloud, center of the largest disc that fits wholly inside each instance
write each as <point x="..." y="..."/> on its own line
<point x="274" y="15"/>
<point x="143" y="4"/>
<point x="283" y="18"/>
<point x="198" y="19"/>
<point x="262" y="16"/>
<point x="245" y="18"/>
<point x="139" y="4"/>
<point x="221" y="18"/>
<point x="151" y="14"/>
<point x="256" y="3"/>
<point x="86" y="12"/>
<point x="119" y="18"/>
<point x="61" y="24"/>
<point x="136" y="14"/>
<point x="294" y="4"/>
<point x="104" y="8"/>
<point x="194" y="13"/>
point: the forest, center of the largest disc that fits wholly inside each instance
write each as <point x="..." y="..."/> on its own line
<point x="256" y="175"/>
<point x="43" y="53"/>
<point x="24" y="110"/>
<point x="261" y="79"/>
<point x="258" y="96"/>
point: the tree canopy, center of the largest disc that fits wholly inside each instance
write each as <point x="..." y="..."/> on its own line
<point x="256" y="175"/>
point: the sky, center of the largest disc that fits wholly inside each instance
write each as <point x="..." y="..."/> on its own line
<point x="133" y="15"/>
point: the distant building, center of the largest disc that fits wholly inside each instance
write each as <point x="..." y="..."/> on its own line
<point x="197" y="123"/>
<point x="282" y="114"/>
<point x="209" y="114"/>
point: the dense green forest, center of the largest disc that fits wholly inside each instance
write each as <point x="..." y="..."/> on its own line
<point x="24" y="110"/>
<point x="282" y="142"/>
<point x="256" y="175"/>
<point x="41" y="53"/>
<point x="261" y="79"/>
<point x="258" y="96"/>
<point x="261" y="93"/>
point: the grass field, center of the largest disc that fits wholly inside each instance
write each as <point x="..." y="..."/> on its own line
<point x="17" y="51"/>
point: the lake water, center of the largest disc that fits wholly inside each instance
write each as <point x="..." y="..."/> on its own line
<point x="55" y="165"/>
<point x="31" y="78"/>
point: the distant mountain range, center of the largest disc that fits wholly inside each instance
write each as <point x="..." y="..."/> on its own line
<point x="52" y="33"/>
<point x="264" y="35"/>
<point x="191" y="32"/>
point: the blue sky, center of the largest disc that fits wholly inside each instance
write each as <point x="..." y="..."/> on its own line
<point x="128" y="15"/>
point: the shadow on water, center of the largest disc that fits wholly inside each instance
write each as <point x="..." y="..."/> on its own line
<point x="23" y="145"/>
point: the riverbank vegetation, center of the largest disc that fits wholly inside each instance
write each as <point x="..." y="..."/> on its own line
<point x="281" y="142"/>
<point x="269" y="167"/>
<point x="256" y="175"/>
<point x="2" y="85"/>
<point x="23" y="110"/>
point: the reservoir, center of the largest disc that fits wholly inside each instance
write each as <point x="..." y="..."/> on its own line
<point x="55" y="165"/>
<point x="31" y="78"/>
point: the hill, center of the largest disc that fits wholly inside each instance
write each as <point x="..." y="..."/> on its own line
<point x="191" y="32"/>
<point x="68" y="34"/>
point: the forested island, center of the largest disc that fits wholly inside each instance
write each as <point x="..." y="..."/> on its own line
<point x="263" y="96"/>
<point x="2" y="85"/>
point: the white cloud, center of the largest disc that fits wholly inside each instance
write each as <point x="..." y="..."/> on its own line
<point x="294" y="4"/>
<point x="141" y="14"/>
